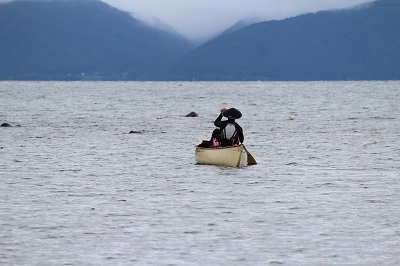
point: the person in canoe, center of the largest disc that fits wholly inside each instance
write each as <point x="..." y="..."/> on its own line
<point x="215" y="140"/>
<point x="231" y="133"/>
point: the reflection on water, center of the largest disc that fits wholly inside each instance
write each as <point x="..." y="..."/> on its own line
<point x="77" y="188"/>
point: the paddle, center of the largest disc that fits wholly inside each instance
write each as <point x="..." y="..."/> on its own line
<point x="250" y="158"/>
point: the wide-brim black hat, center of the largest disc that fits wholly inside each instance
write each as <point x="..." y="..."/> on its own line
<point x="232" y="113"/>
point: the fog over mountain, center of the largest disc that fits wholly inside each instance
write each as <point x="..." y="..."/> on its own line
<point x="81" y="39"/>
<point x="89" y="39"/>
<point x="200" y="20"/>
<point x="352" y="44"/>
<point x="203" y="19"/>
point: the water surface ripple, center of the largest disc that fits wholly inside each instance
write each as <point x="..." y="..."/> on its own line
<point x="78" y="189"/>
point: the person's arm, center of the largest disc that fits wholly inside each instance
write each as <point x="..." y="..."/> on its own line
<point x="218" y="121"/>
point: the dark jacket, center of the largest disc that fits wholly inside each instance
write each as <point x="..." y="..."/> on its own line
<point x="229" y="140"/>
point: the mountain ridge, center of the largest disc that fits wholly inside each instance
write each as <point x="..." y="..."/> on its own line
<point x="90" y="40"/>
<point x="351" y="44"/>
<point x="77" y="39"/>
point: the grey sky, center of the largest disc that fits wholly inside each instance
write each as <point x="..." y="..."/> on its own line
<point x="200" y="19"/>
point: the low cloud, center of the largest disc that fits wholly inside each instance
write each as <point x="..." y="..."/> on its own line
<point x="202" y="19"/>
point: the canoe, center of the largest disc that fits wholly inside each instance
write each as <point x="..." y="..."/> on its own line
<point x="233" y="156"/>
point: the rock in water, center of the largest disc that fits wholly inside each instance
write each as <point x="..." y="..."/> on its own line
<point x="135" y="132"/>
<point x="5" y="125"/>
<point x="192" y="114"/>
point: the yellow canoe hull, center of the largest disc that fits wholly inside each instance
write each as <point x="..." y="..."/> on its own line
<point x="233" y="156"/>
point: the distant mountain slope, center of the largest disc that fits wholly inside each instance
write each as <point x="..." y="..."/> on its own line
<point x="362" y="43"/>
<point x="74" y="39"/>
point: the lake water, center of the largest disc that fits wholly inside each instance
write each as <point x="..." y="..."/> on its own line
<point x="77" y="189"/>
